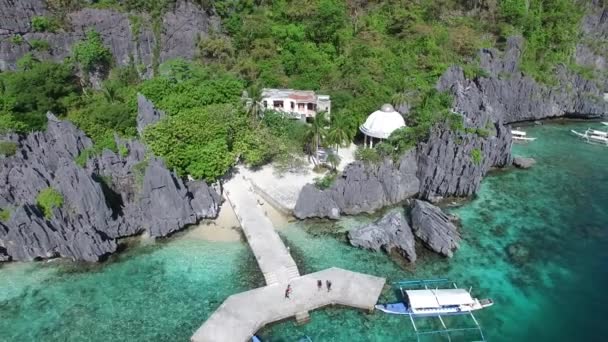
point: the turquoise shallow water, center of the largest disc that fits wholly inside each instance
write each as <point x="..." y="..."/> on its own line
<point x="536" y="241"/>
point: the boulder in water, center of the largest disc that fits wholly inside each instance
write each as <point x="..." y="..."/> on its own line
<point x="391" y="231"/>
<point x="523" y="162"/>
<point x="431" y="225"/>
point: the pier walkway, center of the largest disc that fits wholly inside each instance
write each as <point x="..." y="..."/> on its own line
<point x="241" y="315"/>
<point x="272" y="256"/>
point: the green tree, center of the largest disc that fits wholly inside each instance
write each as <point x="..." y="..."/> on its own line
<point x="317" y="131"/>
<point x="340" y="131"/>
<point x="28" y="94"/>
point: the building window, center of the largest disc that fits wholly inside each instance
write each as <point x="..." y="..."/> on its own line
<point x="311" y="106"/>
<point x="277" y="104"/>
<point x="265" y="104"/>
<point x="301" y="106"/>
<point x="292" y="105"/>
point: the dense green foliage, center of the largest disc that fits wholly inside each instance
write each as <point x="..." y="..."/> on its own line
<point x="49" y="199"/>
<point x="7" y="148"/>
<point x="26" y="95"/>
<point x="368" y="155"/>
<point x="551" y="31"/>
<point x="90" y="53"/>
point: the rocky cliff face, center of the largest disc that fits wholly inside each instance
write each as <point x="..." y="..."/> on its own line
<point x="361" y="188"/>
<point x="181" y="26"/>
<point x="146" y="113"/>
<point x="112" y="197"/>
<point x="454" y="163"/>
<point x="509" y="96"/>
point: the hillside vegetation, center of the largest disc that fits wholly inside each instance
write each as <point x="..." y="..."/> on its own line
<point x="362" y="53"/>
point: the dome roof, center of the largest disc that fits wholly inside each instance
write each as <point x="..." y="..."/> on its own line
<point x="381" y="123"/>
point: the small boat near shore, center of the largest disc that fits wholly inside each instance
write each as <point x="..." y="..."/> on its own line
<point x="521" y="135"/>
<point x="424" y="299"/>
<point x="605" y="123"/>
<point x="593" y="136"/>
<point x="433" y="302"/>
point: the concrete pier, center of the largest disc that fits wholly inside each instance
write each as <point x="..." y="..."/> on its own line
<point x="272" y="256"/>
<point x="241" y="315"/>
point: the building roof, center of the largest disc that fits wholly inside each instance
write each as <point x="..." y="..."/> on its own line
<point x="381" y="123"/>
<point x="297" y="95"/>
<point x="419" y="299"/>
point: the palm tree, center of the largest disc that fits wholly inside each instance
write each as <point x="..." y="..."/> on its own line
<point x="317" y="130"/>
<point x="253" y="104"/>
<point x="110" y="93"/>
<point x="399" y="99"/>
<point x="339" y="134"/>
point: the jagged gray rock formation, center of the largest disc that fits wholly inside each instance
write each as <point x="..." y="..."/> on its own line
<point x="114" y="196"/>
<point x="434" y="228"/>
<point x="445" y="165"/>
<point x="166" y="201"/>
<point x="361" y="188"/>
<point x="46" y="159"/>
<point x="523" y="162"/>
<point x="391" y="231"/>
<point x="454" y="163"/>
<point x="506" y="95"/>
<point x="147" y="114"/>
<point x="181" y="26"/>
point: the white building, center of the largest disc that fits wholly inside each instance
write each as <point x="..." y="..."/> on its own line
<point x="381" y="123"/>
<point x="300" y="104"/>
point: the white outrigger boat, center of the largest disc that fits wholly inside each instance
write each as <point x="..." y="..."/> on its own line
<point x="421" y="300"/>
<point x="593" y="136"/>
<point x="520" y="135"/>
<point x="605" y="123"/>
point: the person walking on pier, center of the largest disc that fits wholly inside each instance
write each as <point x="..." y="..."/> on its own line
<point x="319" y="285"/>
<point x="288" y="291"/>
<point x="328" y="283"/>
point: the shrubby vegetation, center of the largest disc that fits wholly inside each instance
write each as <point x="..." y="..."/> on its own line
<point x="5" y="214"/>
<point x="7" y="148"/>
<point x="476" y="156"/>
<point x="43" y="24"/>
<point x="90" y="53"/>
<point x="49" y="199"/>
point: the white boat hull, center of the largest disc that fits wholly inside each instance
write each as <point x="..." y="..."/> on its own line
<point x="523" y="138"/>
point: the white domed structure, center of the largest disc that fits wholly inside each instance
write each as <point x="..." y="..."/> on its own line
<point x="381" y="123"/>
